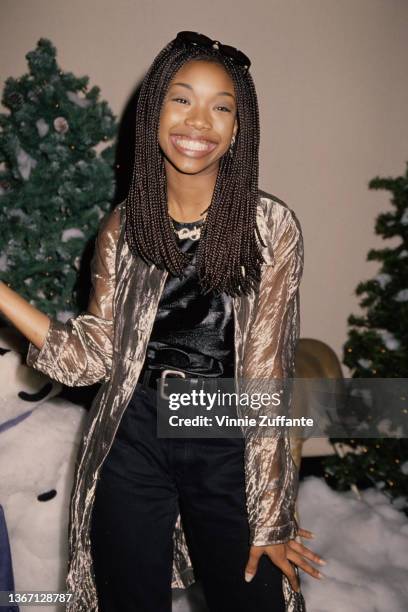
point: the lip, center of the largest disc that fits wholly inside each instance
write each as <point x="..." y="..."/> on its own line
<point x="190" y="152"/>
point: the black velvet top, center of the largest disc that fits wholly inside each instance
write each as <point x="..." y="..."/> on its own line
<point x="201" y="326"/>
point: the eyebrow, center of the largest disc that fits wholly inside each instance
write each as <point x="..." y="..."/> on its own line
<point x="220" y="93"/>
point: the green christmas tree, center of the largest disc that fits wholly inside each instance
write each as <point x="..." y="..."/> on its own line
<point x="54" y="185"/>
<point x="377" y="347"/>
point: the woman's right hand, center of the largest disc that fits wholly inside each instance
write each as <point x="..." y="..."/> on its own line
<point x="282" y="554"/>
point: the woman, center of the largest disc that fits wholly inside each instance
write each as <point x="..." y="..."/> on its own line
<point x="197" y="271"/>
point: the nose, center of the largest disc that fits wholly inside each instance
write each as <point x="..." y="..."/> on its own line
<point x="198" y="119"/>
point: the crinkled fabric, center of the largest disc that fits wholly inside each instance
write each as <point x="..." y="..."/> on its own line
<point x="107" y="344"/>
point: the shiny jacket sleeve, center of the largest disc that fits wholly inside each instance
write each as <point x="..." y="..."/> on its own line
<point x="79" y="352"/>
<point x="271" y="474"/>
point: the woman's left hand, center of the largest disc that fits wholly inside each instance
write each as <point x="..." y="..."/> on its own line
<point x="281" y="554"/>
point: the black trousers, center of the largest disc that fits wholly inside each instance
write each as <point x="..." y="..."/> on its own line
<point x="144" y="482"/>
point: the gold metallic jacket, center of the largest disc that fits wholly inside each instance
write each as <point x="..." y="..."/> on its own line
<point x="108" y="342"/>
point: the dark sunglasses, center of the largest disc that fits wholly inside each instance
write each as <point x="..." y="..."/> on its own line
<point x="194" y="38"/>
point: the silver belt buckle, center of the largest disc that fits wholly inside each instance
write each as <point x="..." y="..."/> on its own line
<point x="163" y="383"/>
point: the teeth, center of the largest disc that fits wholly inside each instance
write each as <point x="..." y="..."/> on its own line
<point x="193" y="144"/>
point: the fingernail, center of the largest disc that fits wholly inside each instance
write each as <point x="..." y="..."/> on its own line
<point x="248" y="577"/>
<point x="322" y="562"/>
<point x="320" y="575"/>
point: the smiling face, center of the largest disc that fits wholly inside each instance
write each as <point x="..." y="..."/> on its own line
<point x="198" y="117"/>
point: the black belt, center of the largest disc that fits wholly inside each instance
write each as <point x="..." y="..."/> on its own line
<point x="164" y="363"/>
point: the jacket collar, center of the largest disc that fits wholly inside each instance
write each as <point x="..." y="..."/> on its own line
<point x="265" y="229"/>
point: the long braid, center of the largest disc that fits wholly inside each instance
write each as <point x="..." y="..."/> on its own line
<point x="228" y="256"/>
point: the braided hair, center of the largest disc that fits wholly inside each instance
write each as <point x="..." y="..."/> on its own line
<point x="228" y="256"/>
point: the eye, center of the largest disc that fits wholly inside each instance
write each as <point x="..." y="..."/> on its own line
<point x="177" y="99"/>
<point x="225" y="108"/>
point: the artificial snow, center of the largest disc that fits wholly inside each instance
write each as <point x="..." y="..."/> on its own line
<point x="20" y="214"/>
<point x="78" y="100"/>
<point x="25" y="163"/>
<point x="383" y="279"/>
<point x="42" y="127"/>
<point x="389" y="340"/>
<point x="72" y="232"/>
<point x="365" y="544"/>
<point x="402" y="296"/>
<point x="65" y="315"/>
<point x="364" y="363"/>
<point x="3" y="262"/>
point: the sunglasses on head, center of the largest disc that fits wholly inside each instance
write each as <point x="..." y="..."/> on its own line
<point x="194" y="38"/>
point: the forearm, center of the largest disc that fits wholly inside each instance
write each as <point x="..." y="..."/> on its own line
<point x="272" y="483"/>
<point x="30" y="321"/>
